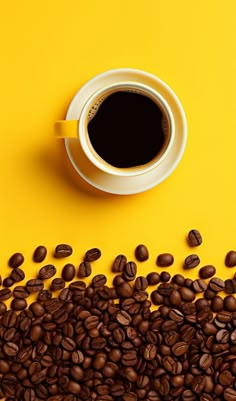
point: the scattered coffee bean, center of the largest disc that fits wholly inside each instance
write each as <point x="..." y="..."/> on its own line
<point x="165" y="260"/>
<point x="207" y="271"/>
<point x="17" y="275"/>
<point x="165" y="276"/>
<point x="92" y="254"/>
<point x="57" y="284"/>
<point x="216" y="284"/>
<point x="194" y="238"/>
<point x="8" y="282"/>
<point x="40" y="254"/>
<point x="5" y="294"/>
<point x="20" y="292"/>
<point x="68" y="272"/>
<point x="230" y="259"/>
<point x="34" y="285"/>
<point x="230" y="303"/>
<point x="230" y="286"/>
<point x="85" y="269"/>
<point x="119" y="264"/>
<point x="63" y="251"/>
<point x="16" y="260"/>
<point x="47" y="272"/>
<point x="153" y="278"/>
<point x="191" y="261"/>
<point x="130" y="271"/>
<point x="18" y="304"/>
<point x="141" y="253"/>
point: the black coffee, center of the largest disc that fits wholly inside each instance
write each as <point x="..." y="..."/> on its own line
<point x="127" y="129"/>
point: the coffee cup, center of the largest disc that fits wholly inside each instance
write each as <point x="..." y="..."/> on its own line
<point x="124" y="133"/>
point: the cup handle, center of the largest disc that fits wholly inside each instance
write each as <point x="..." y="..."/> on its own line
<point x="66" y="128"/>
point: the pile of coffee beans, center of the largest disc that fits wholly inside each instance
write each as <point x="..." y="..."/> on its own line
<point x="153" y="337"/>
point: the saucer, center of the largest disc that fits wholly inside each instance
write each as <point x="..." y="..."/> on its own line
<point x="133" y="184"/>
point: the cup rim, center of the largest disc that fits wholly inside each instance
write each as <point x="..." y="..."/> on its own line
<point x="91" y="153"/>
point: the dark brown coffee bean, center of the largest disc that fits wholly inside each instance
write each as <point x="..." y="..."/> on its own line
<point x="141" y="253"/>
<point x="5" y="294"/>
<point x="8" y="282"/>
<point x="153" y="278"/>
<point x="150" y="352"/>
<point x="230" y="286"/>
<point x="198" y="384"/>
<point x="119" y="264"/>
<point x="199" y="285"/>
<point x="205" y="361"/>
<point x="123" y="318"/>
<point x="18" y="304"/>
<point x="125" y="290"/>
<point x="216" y="284"/>
<point x="165" y="259"/>
<point x="141" y="283"/>
<point x="99" y="281"/>
<point x="194" y="238"/>
<point x="57" y="284"/>
<point x="62" y="251"/>
<point x="40" y="254"/>
<point x="47" y="272"/>
<point x="36" y="333"/>
<point x="85" y="269"/>
<point x="3" y="308"/>
<point x="226" y="378"/>
<point x="92" y="254"/>
<point x="230" y="303"/>
<point x="34" y="285"/>
<point x="130" y="271"/>
<point x="17" y="275"/>
<point x="191" y="261"/>
<point x="179" y="348"/>
<point x="16" y="260"/>
<point x="68" y="272"/>
<point x="217" y="304"/>
<point x="178" y="279"/>
<point x="175" y="298"/>
<point x="20" y="292"/>
<point x="44" y="295"/>
<point x="230" y="259"/>
<point x="207" y="271"/>
<point x="29" y="395"/>
<point x="10" y="349"/>
<point x="229" y="394"/>
<point x="187" y="294"/>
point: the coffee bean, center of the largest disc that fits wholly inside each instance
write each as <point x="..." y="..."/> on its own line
<point x="62" y="251"/>
<point x="18" y="304"/>
<point x="187" y="294"/>
<point x="40" y="254"/>
<point x="153" y="278"/>
<point x="191" y="261"/>
<point x="3" y="308"/>
<point x="230" y="286"/>
<point x="10" y="349"/>
<point x="57" y="284"/>
<point x="216" y="284"/>
<point x="141" y="253"/>
<point x="207" y="271"/>
<point x="141" y="283"/>
<point x="16" y="260"/>
<point x="34" y="285"/>
<point x="20" y="292"/>
<point x="5" y="294"/>
<point x="8" y="282"/>
<point x="85" y="269"/>
<point x="165" y="260"/>
<point x="47" y="272"/>
<point x="179" y="348"/>
<point x="44" y="295"/>
<point x="17" y="275"/>
<point x="230" y="303"/>
<point x="150" y="352"/>
<point x="199" y="285"/>
<point x="165" y="276"/>
<point x="92" y="254"/>
<point x="119" y="264"/>
<point x="205" y="361"/>
<point x="68" y="272"/>
<point x="130" y="271"/>
<point x="230" y="259"/>
<point x="123" y="318"/>
<point x="217" y="304"/>
<point x="99" y="280"/>
<point x="229" y="394"/>
<point x="178" y="279"/>
<point x="194" y="238"/>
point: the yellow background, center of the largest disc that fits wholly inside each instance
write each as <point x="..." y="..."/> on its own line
<point x="48" y="50"/>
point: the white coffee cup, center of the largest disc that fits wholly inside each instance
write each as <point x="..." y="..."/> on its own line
<point x="91" y="166"/>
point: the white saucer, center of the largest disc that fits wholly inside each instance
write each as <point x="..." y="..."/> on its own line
<point x="98" y="178"/>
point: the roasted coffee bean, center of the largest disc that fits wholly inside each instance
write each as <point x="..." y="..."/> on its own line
<point x="123" y="318"/>
<point x="63" y="251"/>
<point x="165" y="259"/>
<point x="39" y="254"/>
<point x="47" y="272"/>
<point x="5" y="294"/>
<point x="205" y="361"/>
<point x="199" y="285"/>
<point x="194" y="238"/>
<point x="141" y="253"/>
<point x="85" y="269"/>
<point x="130" y="271"/>
<point x="230" y="286"/>
<point x="20" y="292"/>
<point x="178" y="279"/>
<point x="191" y="261"/>
<point x="18" y="304"/>
<point x="141" y="283"/>
<point x="44" y="295"/>
<point x="165" y="277"/>
<point x="92" y="254"/>
<point x="3" y="308"/>
<point x="230" y="303"/>
<point x="99" y="281"/>
<point x="230" y="259"/>
<point x="207" y="271"/>
<point x="16" y="260"/>
<point x="10" y="349"/>
<point x="229" y="394"/>
<point x="187" y="294"/>
<point x="216" y="284"/>
<point x="17" y="275"/>
<point x="57" y="284"/>
<point x="179" y="348"/>
<point x="217" y="304"/>
<point x="8" y="282"/>
<point x="68" y="272"/>
<point x="150" y="352"/>
<point x="153" y="278"/>
<point x="119" y="264"/>
<point x="34" y="285"/>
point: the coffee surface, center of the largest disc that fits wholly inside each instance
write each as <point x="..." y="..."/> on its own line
<point x="127" y="129"/>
